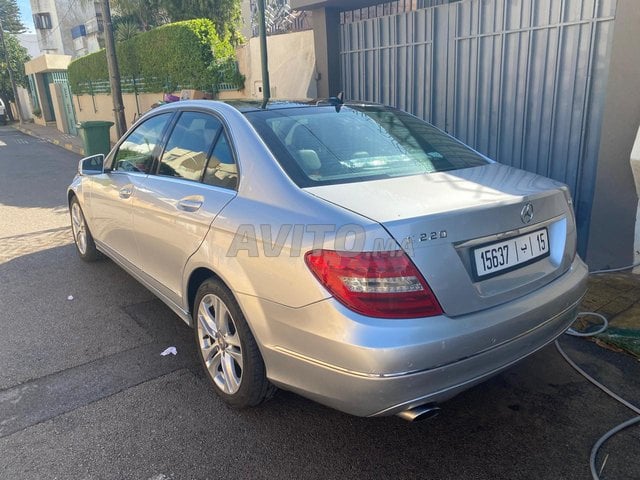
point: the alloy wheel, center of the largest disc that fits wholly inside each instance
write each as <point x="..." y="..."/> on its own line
<point x="220" y="344"/>
<point x="79" y="228"/>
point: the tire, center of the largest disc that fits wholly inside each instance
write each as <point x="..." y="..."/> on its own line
<point x="82" y="237"/>
<point x="227" y="349"/>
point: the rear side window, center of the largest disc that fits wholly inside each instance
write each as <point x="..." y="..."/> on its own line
<point x="324" y="145"/>
<point x="136" y="153"/>
<point x="189" y="144"/>
<point x="222" y="170"/>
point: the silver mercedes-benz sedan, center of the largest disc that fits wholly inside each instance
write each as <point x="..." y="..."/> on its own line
<point x="349" y="252"/>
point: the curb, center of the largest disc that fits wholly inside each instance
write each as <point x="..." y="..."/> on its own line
<point x="66" y="146"/>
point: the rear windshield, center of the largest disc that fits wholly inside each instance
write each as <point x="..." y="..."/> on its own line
<point x="324" y="145"/>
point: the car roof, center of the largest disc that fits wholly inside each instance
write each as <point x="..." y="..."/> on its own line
<point x="247" y="105"/>
<point x="244" y="105"/>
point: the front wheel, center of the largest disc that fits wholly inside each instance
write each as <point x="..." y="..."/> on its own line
<point x="82" y="237"/>
<point x="227" y="348"/>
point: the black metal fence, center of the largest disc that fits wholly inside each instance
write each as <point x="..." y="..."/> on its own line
<point x="130" y="84"/>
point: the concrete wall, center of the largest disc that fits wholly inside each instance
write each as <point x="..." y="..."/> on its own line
<point x="101" y="107"/>
<point x="25" y="104"/>
<point x="326" y="28"/>
<point x="611" y="233"/>
<point x="292" y="69"/>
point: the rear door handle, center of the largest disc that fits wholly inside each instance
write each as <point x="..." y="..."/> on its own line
<point x="125" y="192"/>
<point x="189" y="205"/>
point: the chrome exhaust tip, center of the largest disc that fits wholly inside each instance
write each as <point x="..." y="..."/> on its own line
<point x="423" y="412"/>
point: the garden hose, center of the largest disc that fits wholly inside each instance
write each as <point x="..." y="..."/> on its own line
<point x="574" y="333"/>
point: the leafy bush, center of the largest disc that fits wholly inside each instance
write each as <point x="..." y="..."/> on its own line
<point x="187" y="54"/>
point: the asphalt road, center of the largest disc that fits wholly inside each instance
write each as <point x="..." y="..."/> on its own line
<point x="84" y="392"/>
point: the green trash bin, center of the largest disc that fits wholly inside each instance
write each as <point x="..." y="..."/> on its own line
<point x="95" y="136"/>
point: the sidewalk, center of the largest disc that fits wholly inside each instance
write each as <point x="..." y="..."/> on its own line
<point x="52" y="135"/>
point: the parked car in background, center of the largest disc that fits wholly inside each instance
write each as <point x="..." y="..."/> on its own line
<point x="351" y="253"/>
<point x="3" y="114"/>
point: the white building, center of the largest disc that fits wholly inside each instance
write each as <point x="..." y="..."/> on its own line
<point x="30" y="42"/>
<point x="67" y="27"/>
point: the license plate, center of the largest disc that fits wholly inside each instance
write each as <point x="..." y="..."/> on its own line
<point x="511" y="254"/>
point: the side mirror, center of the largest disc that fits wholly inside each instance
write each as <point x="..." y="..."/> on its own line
<point x="93" y="165"/>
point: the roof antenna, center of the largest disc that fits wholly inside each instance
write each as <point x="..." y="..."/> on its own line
<point x="337" y="101"/>
<point x="266" y="86"/>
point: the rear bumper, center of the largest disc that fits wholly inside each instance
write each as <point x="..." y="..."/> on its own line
<point x="372" y="367"/>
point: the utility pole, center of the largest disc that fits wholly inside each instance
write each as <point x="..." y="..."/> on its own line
<point x="266" y="85"/>
<point x="11" y="78"/>
<point x="114" y="70"/>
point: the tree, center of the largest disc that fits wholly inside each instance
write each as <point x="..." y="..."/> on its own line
<point x="18" y="55"/>
<point x="225" y="14"/>
<point x="125" y="29"/>
<point x="146" y="14"/>
<point x="10" y="17"/>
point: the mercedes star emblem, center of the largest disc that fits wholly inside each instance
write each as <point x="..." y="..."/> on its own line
<point x="527" y="213"/>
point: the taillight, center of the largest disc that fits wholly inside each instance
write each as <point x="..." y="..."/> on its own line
<point x="375" y="284"/>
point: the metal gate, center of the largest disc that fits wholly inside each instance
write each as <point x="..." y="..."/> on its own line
<point x="522" y="81"/>
<point x="62" y="79"/>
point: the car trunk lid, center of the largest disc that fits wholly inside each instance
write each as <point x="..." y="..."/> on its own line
<point x="441" y="219"/>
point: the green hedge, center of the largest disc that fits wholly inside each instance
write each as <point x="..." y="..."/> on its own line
<point x="185" y="54"/>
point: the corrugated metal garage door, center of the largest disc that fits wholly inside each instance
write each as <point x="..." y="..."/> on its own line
<point x="522" y="81"/>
